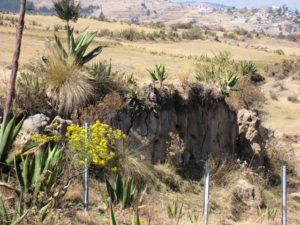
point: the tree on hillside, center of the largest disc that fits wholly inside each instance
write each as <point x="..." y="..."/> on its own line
<point x="67" y="10"/>
<point x="15" y="61"/>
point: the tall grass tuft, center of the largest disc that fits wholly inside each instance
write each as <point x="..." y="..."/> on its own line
<point x="66" y="84"/>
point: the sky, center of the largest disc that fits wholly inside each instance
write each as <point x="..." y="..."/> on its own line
<point x="292" y="4"/>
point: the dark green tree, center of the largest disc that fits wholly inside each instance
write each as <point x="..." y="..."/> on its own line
<point x="67" y="10"/>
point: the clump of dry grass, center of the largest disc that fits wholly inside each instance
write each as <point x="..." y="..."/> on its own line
<point x="129" y="163"/>
<point x="66" y="84"/>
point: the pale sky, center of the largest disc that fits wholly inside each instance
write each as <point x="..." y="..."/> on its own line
<point x="293" y="4"/>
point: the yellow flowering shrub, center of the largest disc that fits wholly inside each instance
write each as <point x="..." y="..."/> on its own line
<point x="98" y="146"/>
<point x="46" y="138"/>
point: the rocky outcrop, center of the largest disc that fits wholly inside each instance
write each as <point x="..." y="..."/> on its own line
<point x="252" y="138"/>
<point x="199" y="115"/>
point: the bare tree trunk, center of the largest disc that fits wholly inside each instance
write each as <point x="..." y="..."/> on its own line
<point x="15" y="60"/>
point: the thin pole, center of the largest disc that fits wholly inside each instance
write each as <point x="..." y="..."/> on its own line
<point x="85" y="176"/>
<point x="15" y="60"/>
<point x="283" y="191"/>
<point x="206" y="195"/>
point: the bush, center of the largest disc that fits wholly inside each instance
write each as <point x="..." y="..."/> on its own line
<point x="30" y="96"/>
<point x="193" y="34"/>
<point x="249" y="96"/>
<point x="246" y="67"/>
<point x="130" y="34"/>
<point x="279" y="52"/>
<point x="181" y="26"/>
<point x="97" y="146"/>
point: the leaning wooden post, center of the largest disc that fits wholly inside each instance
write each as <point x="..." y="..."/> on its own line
<point x="15" y="60"/>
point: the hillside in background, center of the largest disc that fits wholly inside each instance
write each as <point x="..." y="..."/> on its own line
<point x="13" y="5"/>
<point x="275" y="21"/>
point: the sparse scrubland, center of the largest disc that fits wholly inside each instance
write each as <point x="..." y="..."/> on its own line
<point x="121" y="79"/>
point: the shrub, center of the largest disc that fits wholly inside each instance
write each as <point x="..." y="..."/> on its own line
<point x="130" y="34"/>
<point x="212" y="70"/>
<point x="66" y="85"/>
<point x="97" y="146"/>
<point x="279" y="52"/>
<point x="30" y="96"/>
<point x="246" y="67"/>
<point x="181" y="26"/>
<point x="293" y="98"/>
<point x="193" y="34"/>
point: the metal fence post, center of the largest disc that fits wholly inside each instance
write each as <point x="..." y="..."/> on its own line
<point x="206" y="195"/>
<point x="283" y="195"/>
<point x="85" y="176"/>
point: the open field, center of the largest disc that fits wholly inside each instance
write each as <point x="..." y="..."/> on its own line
<point x="178" y="57"/>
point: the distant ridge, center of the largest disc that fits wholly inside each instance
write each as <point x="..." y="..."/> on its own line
<point x="203" y="4"/>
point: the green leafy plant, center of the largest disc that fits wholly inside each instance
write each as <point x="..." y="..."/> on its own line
<point x="135" y="220"/>
<point x="100" y="70"/>
<point x="8" y="133"/>
<point x="246" y="67"/>
<point x="279" y="52"/>
<point x="158" y="74"/>
<point x="270" y="212"/>
<point x="17" y="216"/>
<point x="131" y="78"/>
<point x="229" y="83"/>
<point x="193" y="218"/>
<point x="123" y="191"/>
<point x="133" y="93"/>
<point x="174" y="210"/>
<point x="78" y="47"/>
<point x="39" y="172"/>
<point x="31" y="96"/>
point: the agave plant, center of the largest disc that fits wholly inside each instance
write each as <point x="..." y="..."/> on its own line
<point x="78" y="47"/>
<point x="18" y="215"/>
<point x="39" y="173"/>
<point x="113" y="218"/>
<point x="124" y="192"/>
<point x="173" y="210"/>
<point x="228" y="84"/>
<point x="8" y="133"/>
<point x="158" y="74"/>
<point x="100" y="70"/>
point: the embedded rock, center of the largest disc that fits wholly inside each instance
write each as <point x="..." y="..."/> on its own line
<point x="248" y="193"/>
<point x="32" y="125"/>
<point x="251" y="141"/>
